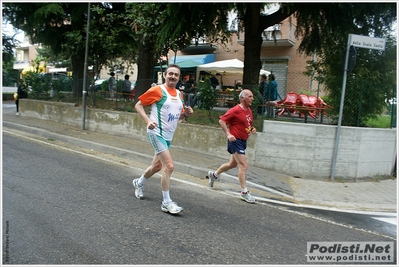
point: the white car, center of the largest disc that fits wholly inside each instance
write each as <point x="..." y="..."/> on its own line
<point x="97" y="84"/>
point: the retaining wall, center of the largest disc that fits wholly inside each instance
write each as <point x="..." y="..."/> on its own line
<point x="295" y="149"/>
<point x="306" y="150"/>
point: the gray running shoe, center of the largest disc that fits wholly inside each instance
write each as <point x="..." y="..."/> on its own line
<point x="138" y="190"/>
<point x="171" y="207"/>
<point x="247" y="197"/>
<point x="211" y="178"/>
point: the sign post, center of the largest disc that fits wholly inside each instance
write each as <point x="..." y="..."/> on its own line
<point x="361" y="42"/>
<point x="84" y="93"/>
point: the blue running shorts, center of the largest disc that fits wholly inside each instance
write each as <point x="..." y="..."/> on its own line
<point x="238" y="146"/>
<point x="159" y="143"/>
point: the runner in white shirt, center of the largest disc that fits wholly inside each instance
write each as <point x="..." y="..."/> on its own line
<point x="166" y="110"/>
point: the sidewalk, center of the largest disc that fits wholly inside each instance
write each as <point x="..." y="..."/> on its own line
<point x="364" y="196"/>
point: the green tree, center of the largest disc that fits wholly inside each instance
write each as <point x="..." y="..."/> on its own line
<point x="10" y="76"/>
<point x="111" y="37"/>
<point x="145" y="21"/>
<point x="62" y="27"/>
<point x="160" y="27"/>
<point x="51" y="24"/>
<point x="8" y="46"/>
<point x="59" y="61"/>
<point x="371" y="83"/>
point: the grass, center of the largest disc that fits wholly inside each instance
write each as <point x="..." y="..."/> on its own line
<point x="203" y="117"/>
<point x="380" y="122"/>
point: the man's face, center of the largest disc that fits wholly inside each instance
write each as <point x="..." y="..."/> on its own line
<point x="172" y="76"/>
<point x="247" y="99"/>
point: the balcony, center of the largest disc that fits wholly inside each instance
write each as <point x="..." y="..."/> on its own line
<point x="205" y="48"/>
<point x="20" y="65"/>
<point x="284" y="36"/>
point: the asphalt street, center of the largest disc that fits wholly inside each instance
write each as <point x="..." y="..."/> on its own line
<point x="68" y="205"/>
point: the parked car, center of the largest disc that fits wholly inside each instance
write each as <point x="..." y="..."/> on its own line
<point x="97" y="84"/>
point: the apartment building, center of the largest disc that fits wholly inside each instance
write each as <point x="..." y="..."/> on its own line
<point x="25" y="53"/>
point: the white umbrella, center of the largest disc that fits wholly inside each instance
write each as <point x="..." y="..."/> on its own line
<point x="264" y="72"/>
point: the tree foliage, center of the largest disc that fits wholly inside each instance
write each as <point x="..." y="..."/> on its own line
<point x="8" y="46"/>
<point x="10" y="76"/>
<point x="144" y="21"/>
<point x="160" y="28"/>
<point x="62" y="28"/>
<point x="320" y="25"/>
<point x="371" y="83"/>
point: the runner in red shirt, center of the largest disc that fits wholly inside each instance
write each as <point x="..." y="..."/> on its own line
<point x="237" y="125"/>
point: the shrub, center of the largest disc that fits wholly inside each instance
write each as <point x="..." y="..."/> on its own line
<point x="207" y="96"/>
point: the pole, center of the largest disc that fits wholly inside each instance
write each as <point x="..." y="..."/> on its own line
<point x="341" y="108"/>
<point x="85" y="69"/>
<point x="360" y="103"/>
<point x="313" y="70"/>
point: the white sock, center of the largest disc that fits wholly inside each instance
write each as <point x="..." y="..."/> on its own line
<point x="215" y="175"/>
<point x="244" y="190"/>
<point x="141" y="180"/>
<point x="166" y="197"/>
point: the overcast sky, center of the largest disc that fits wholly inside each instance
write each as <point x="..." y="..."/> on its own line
<point x="9" y="30"/>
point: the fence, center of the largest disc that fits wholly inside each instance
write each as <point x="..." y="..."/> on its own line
<point x="362" y="101"/>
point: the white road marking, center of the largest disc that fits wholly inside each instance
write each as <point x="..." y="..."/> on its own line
<point x="390" y="220"/>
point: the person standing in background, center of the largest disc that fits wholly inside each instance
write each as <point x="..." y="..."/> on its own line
<point x="190" y="89"/>
<point x="214" y="81"/>
<point x="19" y="94"/>
<point x="126" y="88"/>
<point x="261" y="94"/>
<point x="271" y="96"/>
<point x="112" y="84"/>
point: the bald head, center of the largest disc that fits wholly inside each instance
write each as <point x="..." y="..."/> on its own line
<point x="244" y="93"/>
<point x="246" y="97"/>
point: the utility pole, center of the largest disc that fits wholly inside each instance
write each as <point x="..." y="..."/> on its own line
<point x="85" y="70"/>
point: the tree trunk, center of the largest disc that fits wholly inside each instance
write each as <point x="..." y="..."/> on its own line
<point x="146" y="63"/>
<point x="253" y="44"/>
<point x="78" y="71"/>
<point x="255" y="24"/>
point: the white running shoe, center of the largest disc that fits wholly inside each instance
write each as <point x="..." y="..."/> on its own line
<point x="247" y="197"/>
<point x="138" y="190"/>
<point x="171" y="207"/>
<point x="211" y="176"/>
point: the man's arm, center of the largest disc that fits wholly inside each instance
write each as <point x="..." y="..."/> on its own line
<point x="188" y="111"/>
<point x="226" y="130"/>
<point x="140" y="110"/>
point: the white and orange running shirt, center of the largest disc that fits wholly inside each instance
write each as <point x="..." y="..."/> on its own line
<point x="166" y="107"/>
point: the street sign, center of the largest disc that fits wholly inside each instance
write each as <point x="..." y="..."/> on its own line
<point x="367" y="42"/>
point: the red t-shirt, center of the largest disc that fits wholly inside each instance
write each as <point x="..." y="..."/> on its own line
<point x="239" y="121"/>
